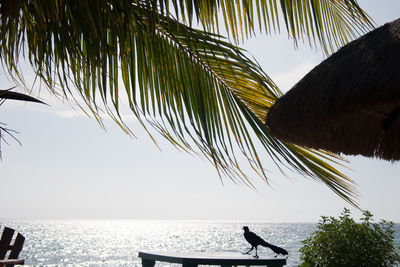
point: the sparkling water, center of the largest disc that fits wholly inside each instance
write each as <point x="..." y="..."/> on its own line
<point x="117" y="242"/>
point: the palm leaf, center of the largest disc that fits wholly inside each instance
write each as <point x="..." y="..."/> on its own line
<point x="199" y="91"/>
<point x="331" y="23"/>
<point x="7" y="94"/>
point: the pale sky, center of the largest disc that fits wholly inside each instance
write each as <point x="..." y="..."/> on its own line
<point x="68" y="167"/>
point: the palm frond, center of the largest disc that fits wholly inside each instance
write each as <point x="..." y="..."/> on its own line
<point x="331" y="23"/>
<point x="199" y="91"/>
<point x="5" y="95"/>
<point x="8" y="94"/>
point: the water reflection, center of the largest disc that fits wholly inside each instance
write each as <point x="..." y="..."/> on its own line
<point x="116" y="243"/>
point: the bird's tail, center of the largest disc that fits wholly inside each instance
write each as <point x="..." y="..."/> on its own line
<point x="275" y="249"/>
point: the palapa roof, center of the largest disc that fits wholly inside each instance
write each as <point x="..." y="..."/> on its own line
<point x="350" y="103"/>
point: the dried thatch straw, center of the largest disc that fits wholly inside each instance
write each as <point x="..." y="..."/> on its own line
<point x="350" y="103"/>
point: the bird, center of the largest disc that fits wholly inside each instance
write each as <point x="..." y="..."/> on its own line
<point x="255" y="241"/>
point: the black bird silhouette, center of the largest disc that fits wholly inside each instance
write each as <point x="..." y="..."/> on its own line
<point x="255" y="241"/>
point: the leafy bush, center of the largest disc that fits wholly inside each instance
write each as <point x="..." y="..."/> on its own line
<point x="343" y="242"/>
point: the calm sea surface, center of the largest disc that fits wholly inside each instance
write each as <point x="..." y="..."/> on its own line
<point x="116" y="243"/>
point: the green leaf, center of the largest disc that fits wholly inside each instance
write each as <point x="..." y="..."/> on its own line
<point x="331" y="23"/>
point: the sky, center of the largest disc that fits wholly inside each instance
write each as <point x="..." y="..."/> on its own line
<point x="70" y="168"/>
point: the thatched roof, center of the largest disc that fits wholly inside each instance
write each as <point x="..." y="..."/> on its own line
<point x="350" y="103"/>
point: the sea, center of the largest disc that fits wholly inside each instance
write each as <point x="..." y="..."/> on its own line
<point x="117" y="242"/>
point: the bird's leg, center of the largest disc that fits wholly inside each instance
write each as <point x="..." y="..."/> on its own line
<point x="256" y="255"/>
<point x="248" y="251"/>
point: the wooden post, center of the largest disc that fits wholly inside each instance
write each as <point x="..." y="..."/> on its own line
<point x="148" y="263"/>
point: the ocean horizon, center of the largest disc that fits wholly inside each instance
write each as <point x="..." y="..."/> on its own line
<point x="94" y="242"/>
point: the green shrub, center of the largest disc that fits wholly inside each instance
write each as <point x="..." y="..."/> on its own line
<point x="343" y="242"/>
